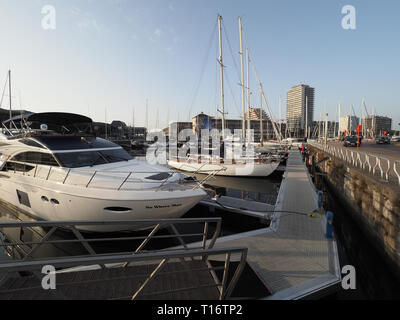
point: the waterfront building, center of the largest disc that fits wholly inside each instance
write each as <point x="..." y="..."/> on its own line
<point x="376" y="125"/>
<point x="255" y="114"/>
<point x="299" y="109"/>
<point x="178" y="125"/>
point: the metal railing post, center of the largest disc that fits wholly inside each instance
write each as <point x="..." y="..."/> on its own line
<point x="65" y="179"/>
<point x="205" y="232"/>
<point x="225" y="276"/>
<point x="126" y="179"/>
<point x="153" y="274"/>
<point x="48" y="175"/>
<point x="395" y="169"/>
<point x="91" y="179"/>
<point x="237" y="274"/>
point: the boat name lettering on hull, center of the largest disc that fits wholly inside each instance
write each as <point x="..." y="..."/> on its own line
<point x="175" y="205"/>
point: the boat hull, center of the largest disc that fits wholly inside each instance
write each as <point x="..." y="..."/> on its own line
<point x="234" y="170"/>
<point x="56" y="202"/>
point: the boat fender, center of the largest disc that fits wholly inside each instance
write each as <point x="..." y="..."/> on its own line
<point x="329" y="225"/>
<point x="320" y="194"/>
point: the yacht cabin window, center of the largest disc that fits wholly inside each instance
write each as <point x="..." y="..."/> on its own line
<point x="81" y="159"/>
<point x="41" y="158"/>
<point x="31" y="143"/>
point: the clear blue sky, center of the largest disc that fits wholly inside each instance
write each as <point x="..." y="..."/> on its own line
<point x="118" y="53"/>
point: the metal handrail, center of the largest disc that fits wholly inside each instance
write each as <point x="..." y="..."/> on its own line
<point x="395" y="169"/>
<point x="377" y="164"/>
<point x="202" y="253"/>
<point x="354" y="158"/>
<point x="155" y="225"/>
<point x="225" y="287"/>
<point x="388" y="168"/>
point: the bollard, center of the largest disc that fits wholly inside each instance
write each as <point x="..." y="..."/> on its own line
<point x="320" y="194"/>
<point x="329" y="225"/>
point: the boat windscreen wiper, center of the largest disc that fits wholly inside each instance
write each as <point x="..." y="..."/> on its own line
<point x="120" y="158"/>
<point x="100" y="157"/>
<point x="113" y="157"/>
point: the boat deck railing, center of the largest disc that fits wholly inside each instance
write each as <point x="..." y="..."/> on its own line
<point x="216" y="160"/>
<point x="110" y="179"/>
<point x="195" y="261"/>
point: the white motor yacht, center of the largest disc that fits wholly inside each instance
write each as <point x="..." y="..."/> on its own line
<point x="67" y="175"/>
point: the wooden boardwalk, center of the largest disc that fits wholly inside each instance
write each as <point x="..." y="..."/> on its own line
<point x="292" y="257"/>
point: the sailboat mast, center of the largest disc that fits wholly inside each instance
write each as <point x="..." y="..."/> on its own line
<point x="222" y="75"/>
<point x="248" y="89"/>
<point x="280" y="115"/>
<point x="340" y="109"/>
<point x="105" y="121"/>
<point x="261" y="118"/>
<point x="147" y="114"/>
<point x="133" y="122"/>
<point x="351" y="119"/>
<point x="9" y="92"/>
<point x="306" y="128"/>
<point x="242" y="80"/>
<point x="334" y="127"/>
<point x="362" y="121"/>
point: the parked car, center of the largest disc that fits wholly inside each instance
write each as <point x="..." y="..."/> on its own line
<point x="382" y="140"/>
<point x="351" y="141"/>
<point x="395" y="139"/>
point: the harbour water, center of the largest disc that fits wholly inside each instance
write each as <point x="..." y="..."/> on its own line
<point x="375" y="279"/>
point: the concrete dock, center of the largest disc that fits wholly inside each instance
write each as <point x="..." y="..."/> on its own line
<point x="292" y="257"/>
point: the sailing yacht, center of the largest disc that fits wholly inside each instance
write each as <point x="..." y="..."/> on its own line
<point x="248" y="163"/>
<point x="53" y="167"/>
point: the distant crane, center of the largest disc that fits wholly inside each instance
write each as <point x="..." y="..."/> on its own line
<point x="367" y="130"/>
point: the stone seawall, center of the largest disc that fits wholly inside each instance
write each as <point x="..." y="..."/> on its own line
<point x="375" y="203"/>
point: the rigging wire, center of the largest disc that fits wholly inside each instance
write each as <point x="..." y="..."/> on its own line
<point x="4" y="90"/>
<point x="233" y="96"/>
<point x="272" y="116"/>
<point x="231" y="51"/>
<point x="196" y="89"/>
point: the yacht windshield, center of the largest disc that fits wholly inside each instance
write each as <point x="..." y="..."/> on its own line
<point x="116" y="155"/>
<point x="91" y="158"/>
